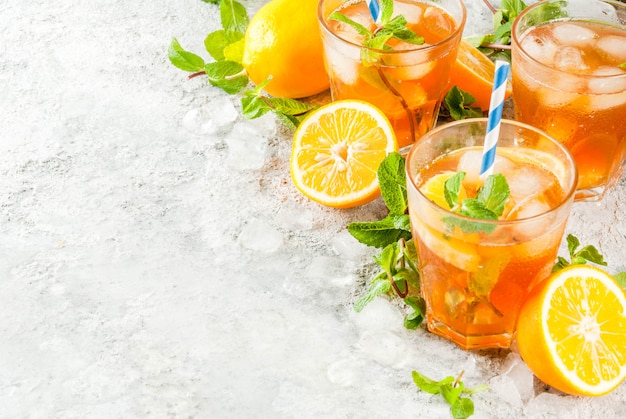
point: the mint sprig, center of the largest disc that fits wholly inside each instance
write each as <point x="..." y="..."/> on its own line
<point x="488" y="204"/>
<point x="579" y="255"/>
<point x="389" y="28"/>
<point x="452" y="390"/>
<point x="226" y="46"/>
<point x="458" y="104"/>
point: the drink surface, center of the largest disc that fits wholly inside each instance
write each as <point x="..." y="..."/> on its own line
<point x="407" y="83"/>
<point x="476" y="282"/>
<point x="577" y="93"/>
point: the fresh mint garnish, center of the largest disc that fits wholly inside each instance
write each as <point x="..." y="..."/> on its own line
<point x="392" y="179"/>
<point x="185" y="60"/>
<point x="487" y="205"/>
<point x="458" y="103"/>
<point x="579" y="255"/>
<point x="226" y="47"/>
<point x="233" y="16"/>
<point x="452" y="390"/>
<point x="377" y="40"/>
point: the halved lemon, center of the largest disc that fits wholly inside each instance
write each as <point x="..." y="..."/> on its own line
<point x="336" y="152"/>
<point x="571" y="331"/>
<point x="473" y="72"/>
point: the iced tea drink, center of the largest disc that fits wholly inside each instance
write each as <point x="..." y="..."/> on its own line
<point x="475" y="273"/>
<point x="569" y="79"/>
<point x="406" y="81"/>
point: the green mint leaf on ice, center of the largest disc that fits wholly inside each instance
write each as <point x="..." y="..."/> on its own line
<point x="494" y="193"/>
<point x="487" y="205"/>
<point x="185" y="60"/>
<point x="452" y="188"/>
<point x="416" y="318"/>
<point x="378" y="286"/>
<point x="228" y="75"/>
<point x="233" y="16"/>
<point x="451" y="390"/>
<point x="389" y="28"/>
<point x="578" y="256"/>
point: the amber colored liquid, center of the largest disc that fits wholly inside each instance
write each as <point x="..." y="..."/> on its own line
<point x="407" y="85"/>
<point x="581" y="106"/>
<point x="474" y="283"/>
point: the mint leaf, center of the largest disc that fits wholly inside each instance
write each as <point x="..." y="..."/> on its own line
<point x="463" y="408"/>
<point x="233" y="16"/>
<point x="215" y="42"/>
<point x="228" y="75"/>
<point x="494" y="193"/>
<point x="392" y="182"/>
<point x="622" y="66"/>
<point x="428" y="384"/>
<point x="290" y="106"/>
<point x="379" y="285"/>
<point x="340" y="17"/>
<point x="458" y="102"/>
<point x="475" y="208"/>
<point x="253" y="107"/>
<point x="183" y="59"/>
<point x="386" y="11"/>
<point x="578" y="257"/>
<point x="451" y="392"/>
<point x="383" y="232"/>
<point x="452" y="188"/>
<point x="413" y="320"/>
<point x="621" y="279"/>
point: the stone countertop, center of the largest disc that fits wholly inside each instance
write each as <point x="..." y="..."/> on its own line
<point x="156" y="261"/>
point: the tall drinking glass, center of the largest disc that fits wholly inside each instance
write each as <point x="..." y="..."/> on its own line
<point x="475" y="273"/>
<point x="406" y="81"/>
<point x="569" y="79"/>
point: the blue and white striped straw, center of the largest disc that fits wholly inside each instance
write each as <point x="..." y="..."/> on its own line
<point x="495" y="117"/>
<point x="374" y="7"/>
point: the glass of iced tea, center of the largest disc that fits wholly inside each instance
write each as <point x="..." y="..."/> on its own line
<point x="475" y="272"/>
<point x="569" y="80"/>
<point x="405" y="80"/>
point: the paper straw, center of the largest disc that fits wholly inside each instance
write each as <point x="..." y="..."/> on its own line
<point x="495" y="117"/>
<point x="374" y="7"/>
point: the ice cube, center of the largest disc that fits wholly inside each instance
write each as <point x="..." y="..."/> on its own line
<point x="531" y="229"/>
<point x="246" y="150"/>
<point x="553" y="98"/>
<point x="412" y="14"/>
<point x="609" y="80"/>
<point x="436" y="22"/>
<point x="384" y="347"/>
<point x="612" y="47"/>
<point x="343" y="62"/>
<point x="515" y="368"/>
<point x="570" y="59"/>
<point x="260" y="236"/>
<point x="541" y="48"/>
<point x="471" y="162"/>
<point x="573" y="34"/>
<point x="606" y="101"/>
<point x="526" y="182"/>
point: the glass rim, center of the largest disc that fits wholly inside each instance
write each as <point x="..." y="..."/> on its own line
<point x="516" y="39"/>
<point x="568" y="197"/>
<point x="458" y="29"/>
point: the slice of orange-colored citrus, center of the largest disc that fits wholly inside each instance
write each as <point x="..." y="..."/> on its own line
<point x="571" y="331"/>
<point x="336" y="152"/>
<point x="473" y="72"/>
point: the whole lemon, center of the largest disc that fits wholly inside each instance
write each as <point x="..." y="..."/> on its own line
<point x="283" y="41"/>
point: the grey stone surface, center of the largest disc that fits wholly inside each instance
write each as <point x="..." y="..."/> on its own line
<point x="156" y="261"/>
